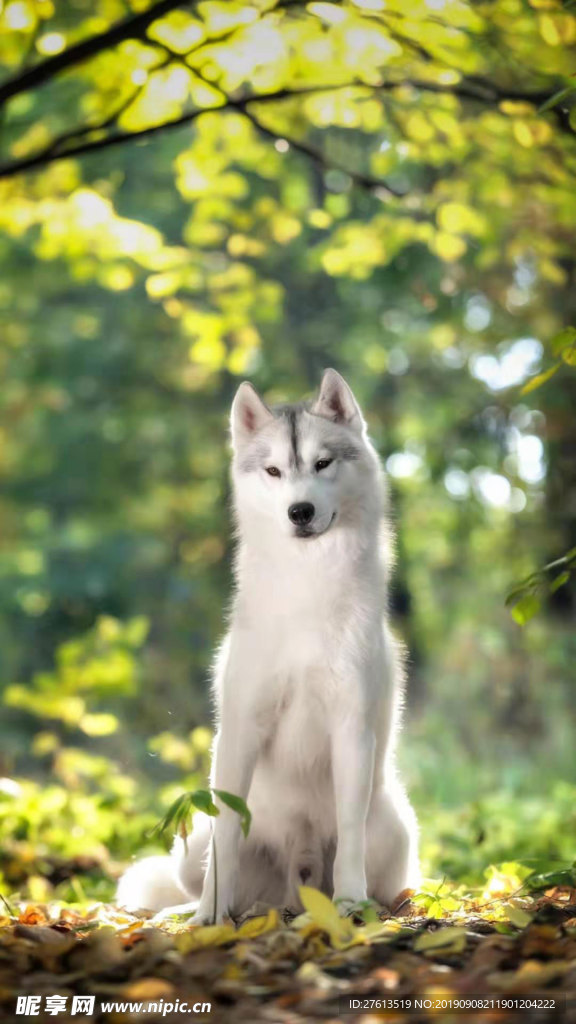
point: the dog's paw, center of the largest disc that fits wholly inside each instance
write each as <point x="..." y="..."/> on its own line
<point x="348" y="905"/>
<point x="207" y="913"/>
<point x="181" y="910"/>
<point x="362" y="911"/>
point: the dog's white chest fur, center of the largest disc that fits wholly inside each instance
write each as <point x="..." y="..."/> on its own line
<point x="297" y="617"/>
<point x="292" y="633"/>
<point x="292" y="781"/>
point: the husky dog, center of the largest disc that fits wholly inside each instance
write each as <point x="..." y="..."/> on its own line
<point x="308" y="682"/>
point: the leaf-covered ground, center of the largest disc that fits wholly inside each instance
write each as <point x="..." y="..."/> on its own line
<point x="306" y="969"/>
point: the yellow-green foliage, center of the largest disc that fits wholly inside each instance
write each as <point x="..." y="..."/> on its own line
<point x="81" y="799"/>
<point x="265" y="189"/>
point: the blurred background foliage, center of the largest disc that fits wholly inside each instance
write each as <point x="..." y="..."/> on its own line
<point x="194" y="193"/>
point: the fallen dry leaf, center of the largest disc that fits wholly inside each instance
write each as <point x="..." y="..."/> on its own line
<point x="267" y="970"/>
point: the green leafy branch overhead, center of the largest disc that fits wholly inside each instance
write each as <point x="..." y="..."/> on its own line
<point x="165" y="66"/>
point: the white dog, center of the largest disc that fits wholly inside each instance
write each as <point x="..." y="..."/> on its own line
<point x="308" y="682"/>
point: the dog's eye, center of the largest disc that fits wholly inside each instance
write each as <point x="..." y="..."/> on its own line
<point x="322" y="464"/>
<point x="273" y="471"/>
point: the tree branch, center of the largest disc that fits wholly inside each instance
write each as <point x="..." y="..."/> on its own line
<point x="363" y="180"/>
<point x="479" y="90"/>
<point x="55" y="146"/>
<point x="52" y="153"/>
<point x="129" y="28"/>
<point x="472" y="88"/>
<point x="475" y="89"/>
<point x="132" y="27"/>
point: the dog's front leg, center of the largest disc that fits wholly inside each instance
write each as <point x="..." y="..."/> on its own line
<point x="353" y="748"/>
<point x="232" y="768"/>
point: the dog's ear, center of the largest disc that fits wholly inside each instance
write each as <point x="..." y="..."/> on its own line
<point x="336" y="402"/>
<point x="249" y="414"/>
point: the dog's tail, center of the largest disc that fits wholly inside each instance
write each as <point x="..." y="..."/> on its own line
<point x="150" y="884"/>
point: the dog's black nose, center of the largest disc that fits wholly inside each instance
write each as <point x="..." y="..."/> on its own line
<point x="301" y="513"/>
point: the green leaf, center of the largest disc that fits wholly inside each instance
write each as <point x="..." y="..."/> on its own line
<point x="567" y="336"/>
<point x="559" y="582"/>
<point x="521" y="589"/>
<point x="525" y="609"/>
<point x="173" y="816"/>
<point x="552" y="101"/>
<point x="202" y="800"/>
<point x="539" y="379"/>
<point x="517" y="916"/>
<point x="446" y="940"/>
<point x="569" y="354"/>
<point x="367" y="910"/>
<point x="236" y="803"/>
<point x="549" y="879"/>
<point x="9" y="908"/>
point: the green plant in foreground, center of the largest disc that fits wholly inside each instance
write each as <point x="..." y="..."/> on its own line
<point x="201" y="800"/>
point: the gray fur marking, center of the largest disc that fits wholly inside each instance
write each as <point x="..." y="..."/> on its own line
<point x="292" y="416"/>
<point x="337" y="448"/>
<point x="292" y="413"/>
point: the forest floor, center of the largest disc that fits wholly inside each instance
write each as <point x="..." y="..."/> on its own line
<point x="515" y="958"/>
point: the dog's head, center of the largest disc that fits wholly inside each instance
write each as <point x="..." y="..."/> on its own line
<point x="300" y="468"/>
